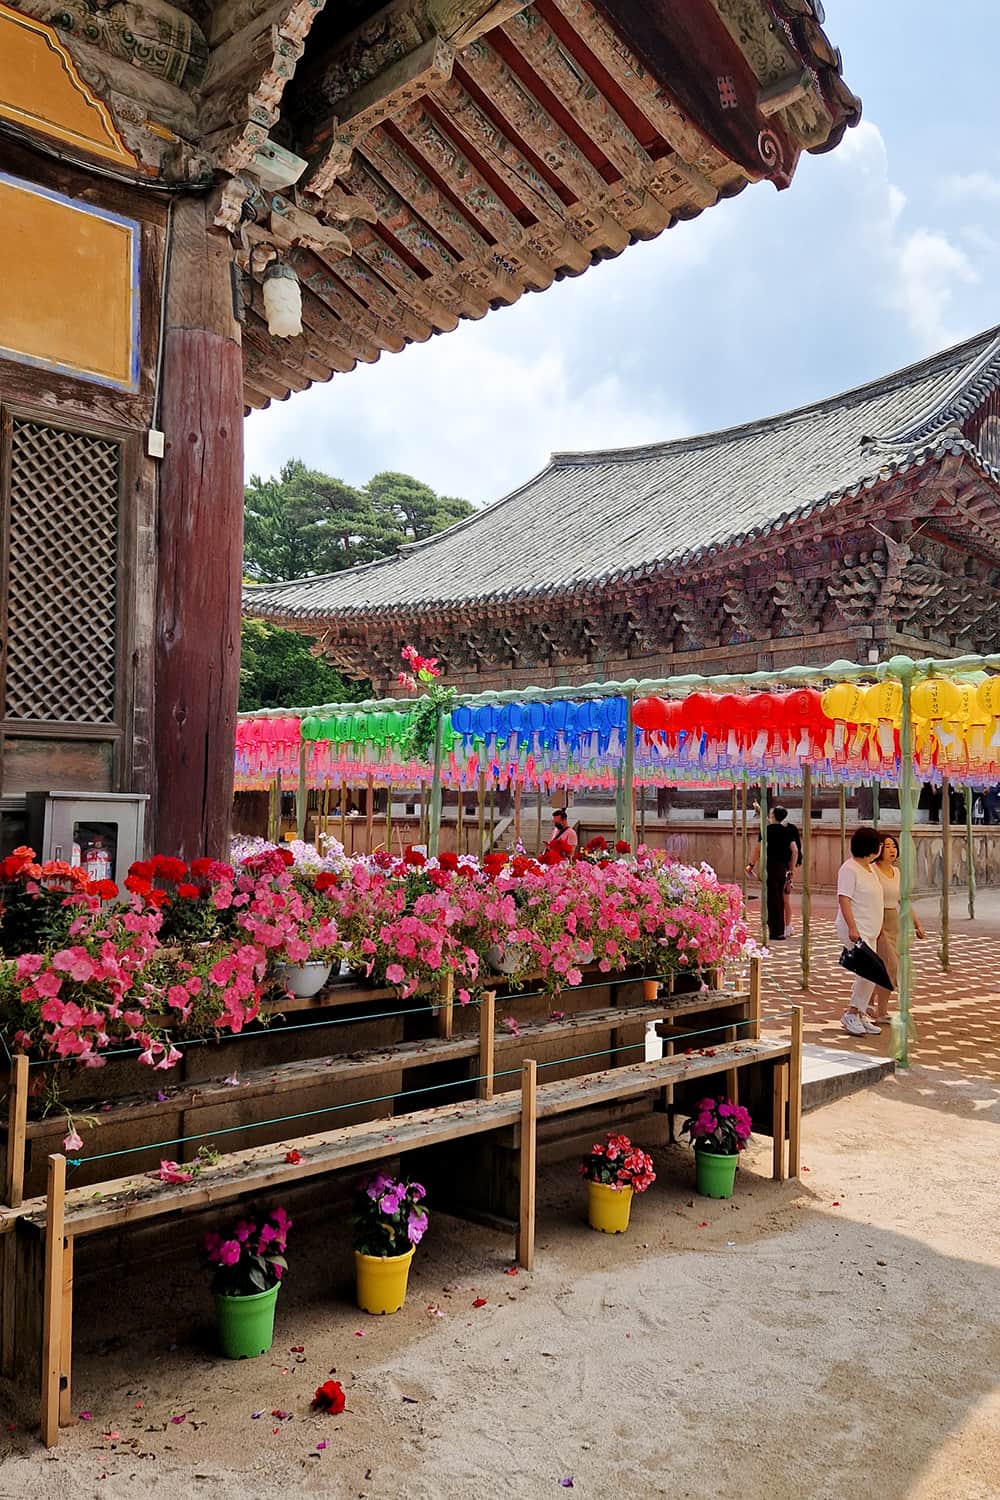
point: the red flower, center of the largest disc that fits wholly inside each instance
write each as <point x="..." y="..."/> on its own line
<point x="326" y="880"/>
<point x="439" y="878"/>
<point x="142" y="869"/>
<point x="448" y="861"/>
<point x="188" y="892"/>
<point x="138" y="884"/>
<point x="414" y="857"/>
<point x="287" y="857"/>
<point x="158" y="898"/>
<point x="592" y="845"/>
<point x="293" y="1158"/>
<point x="105" y="890"/>
<point x="168" y="868"/>
<point x="202" y="867"/>
<point x="329" y="1397"/>
<point x="623" y="847"/>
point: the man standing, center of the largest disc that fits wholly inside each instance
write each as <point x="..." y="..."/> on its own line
<point x="562" y="845"/>
<point x="784" y="855"/>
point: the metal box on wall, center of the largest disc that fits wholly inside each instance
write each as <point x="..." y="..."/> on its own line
<point x="103" y="831"/>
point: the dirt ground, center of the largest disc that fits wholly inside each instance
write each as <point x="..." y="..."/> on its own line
<point x="815" y="1340"/>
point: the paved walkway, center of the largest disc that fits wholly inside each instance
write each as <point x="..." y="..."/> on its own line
<point x="957" y="1013"/>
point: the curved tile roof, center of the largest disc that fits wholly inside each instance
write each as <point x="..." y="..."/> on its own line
<point x="588" y="517"/>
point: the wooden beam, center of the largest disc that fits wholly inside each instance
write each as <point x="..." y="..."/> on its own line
<point x="461" y="21"/>
<point x="487" y="1043"/>
<point x="780" y="1106"/>
<point x="753" y="1030"/>
<point x="52" y="1330"/>
<point x="446" y="1006"/>
<point x="795" y="1095"/>
<point x="17" y="1122"/>
<point x="528" y="1164"/>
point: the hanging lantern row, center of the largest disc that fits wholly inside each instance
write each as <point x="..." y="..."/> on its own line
<point x="847" y="731"/>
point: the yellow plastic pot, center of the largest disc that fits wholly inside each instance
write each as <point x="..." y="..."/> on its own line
<point x="608" y="1208"/>
<point x="381" y="1281"/>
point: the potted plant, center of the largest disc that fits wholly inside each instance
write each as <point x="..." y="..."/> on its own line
<point x="614" y="1169"/>
<point x="249" y="1263"/>
<point x="718" y="1132"/>
<point x="389" y="1224"/>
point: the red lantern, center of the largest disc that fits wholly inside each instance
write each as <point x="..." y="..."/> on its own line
<point x="733" y="712"/>
<point x="698" y="714"/>
<point x="650" y="714"/>
<point x="805" y="710"/>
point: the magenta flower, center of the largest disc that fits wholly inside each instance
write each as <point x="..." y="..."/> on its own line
<point x="230" y="1252"/>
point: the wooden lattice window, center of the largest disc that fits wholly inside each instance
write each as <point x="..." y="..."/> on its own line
<point x="62" y="518"/>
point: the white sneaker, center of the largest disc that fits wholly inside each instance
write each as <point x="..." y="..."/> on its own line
<point x="852" y="1024"/>
<point x="869" y="1025"/>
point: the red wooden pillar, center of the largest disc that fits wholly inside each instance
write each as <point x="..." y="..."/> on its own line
<point x="199" y="544"/>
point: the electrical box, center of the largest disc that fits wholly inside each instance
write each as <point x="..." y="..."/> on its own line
<point x="102" y="831"/>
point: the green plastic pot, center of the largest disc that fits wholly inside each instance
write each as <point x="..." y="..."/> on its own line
<point x="715" y="1174"/>
<point x="246" y="1324"/>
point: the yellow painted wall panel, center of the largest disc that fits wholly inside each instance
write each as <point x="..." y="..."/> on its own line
<point x="41" y="89"/>
<point x="69" y="293"/>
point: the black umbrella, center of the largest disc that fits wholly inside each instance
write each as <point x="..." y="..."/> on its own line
<point x="865" y="962"/>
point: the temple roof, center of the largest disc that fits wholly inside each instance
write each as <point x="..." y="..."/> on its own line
<point x="591" y="517"/>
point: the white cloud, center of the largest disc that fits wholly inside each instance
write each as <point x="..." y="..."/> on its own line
<point x="466" y="417"/>
<point x="978" y="186"/>
<point x="931" y="268"/>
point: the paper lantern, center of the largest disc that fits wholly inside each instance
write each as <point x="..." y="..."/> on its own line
<point x="883" y="701"/>
<point x="650" y="714"/>
<point x="988" y="693"/>
<point x="935" y="698"/>
<point x="843" y="703"/>
<point x="804" y="709"/>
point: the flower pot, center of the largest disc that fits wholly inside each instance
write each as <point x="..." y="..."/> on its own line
<point x="608" y="1207"/>
<point x="507" y="960"/>
<point x="381" y="1281"/>
<point x="650" y="989"/>
<point x="305" y="980"/>
<point x="246" y="1324"/>
<point x="715" y="1174"/>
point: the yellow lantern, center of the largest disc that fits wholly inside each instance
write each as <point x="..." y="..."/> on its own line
<point x="935" y="698"/>
<point x="844" y="703"/>
<point x="988" y="694"/>
<point x="884" y="700"/>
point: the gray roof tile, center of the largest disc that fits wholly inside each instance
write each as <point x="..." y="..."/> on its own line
<point x="591" y="516"/>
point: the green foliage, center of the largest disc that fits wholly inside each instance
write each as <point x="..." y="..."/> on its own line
<point x="306" y="522"/>
<point x="277" y="670"/>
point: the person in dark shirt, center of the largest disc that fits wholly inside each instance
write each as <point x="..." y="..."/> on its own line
<point x="784" y="855"/>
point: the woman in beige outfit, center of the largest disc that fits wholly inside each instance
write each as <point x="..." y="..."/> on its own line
<point x="888" y="942"/>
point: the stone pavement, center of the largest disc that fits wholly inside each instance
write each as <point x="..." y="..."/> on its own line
<point x="957" y="1013"/>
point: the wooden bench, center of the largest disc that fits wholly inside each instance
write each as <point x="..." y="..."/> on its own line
<point x="61" y="1217"/>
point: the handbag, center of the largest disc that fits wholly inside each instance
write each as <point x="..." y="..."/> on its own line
<point x="865" y="962"/>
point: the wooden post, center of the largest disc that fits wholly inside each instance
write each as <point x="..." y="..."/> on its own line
<point x="325" y="814"/>
<point x="52" y="1329"/>
<point x="762" y="863"/>
<point x="517" y="812"/>
<point x="370" y="814"/>
<point x="806" y="874"/>
<point x="946" y="873"/>
<point x="301" y="794"/>
<point x="754" y="1007"/>
<point x="446" y="1006"/>
<point x="642" y="813"/>
<point x="343" y="813"/>
<point x="493" y="811"/>
<point x="795" y="1095"/>
<point x="729" y="1036"/>
<point x="460" y="825"/>
<point x="17" y="1120"/>
<point x="528" y="1164"/>
<point x="970" y="854"/>
<point x="388" y="816"/>
<point x="538" y="822"/>
<point x="842" y="804"/>
<point x="746" y="837"/>
<point x="487" y="1036"/>
<point x="735" y="802"/>
<point x="198" y="544"/>
<point x="482" y="813"/>
<point x="780" y="1105"/>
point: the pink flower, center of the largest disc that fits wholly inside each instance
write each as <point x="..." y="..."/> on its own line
<point x="171" y="1172"/>
<point x="230" y="1252"/>
<point x="72" y="1141"/>
<point x="395" y="974"/>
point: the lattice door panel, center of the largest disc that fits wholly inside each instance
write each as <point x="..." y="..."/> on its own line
<point x="62" y="575"/>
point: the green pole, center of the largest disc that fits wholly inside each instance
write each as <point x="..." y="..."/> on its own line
<point x="875" y="803"/>
<point x="970" y="854"/>
<point x="762" y="867"/>
<point x="902" y="667"/>
<point x="806" y="872"/>
<point x="434" y="823"/>
<point x="628" y="789"/>
<point x="619" y="804"/>
<point x="944" y="952"/>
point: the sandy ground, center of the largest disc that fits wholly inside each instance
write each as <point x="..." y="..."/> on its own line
<point x="817" y="1340"/>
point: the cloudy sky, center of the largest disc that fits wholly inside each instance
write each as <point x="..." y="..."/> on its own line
<point x="879" y="253"/>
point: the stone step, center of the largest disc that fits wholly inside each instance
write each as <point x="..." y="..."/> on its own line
<point x="830" y="1073"/>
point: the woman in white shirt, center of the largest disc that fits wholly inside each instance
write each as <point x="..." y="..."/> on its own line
<point x="888" y="942"/>
<point x="860" y="913"/>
